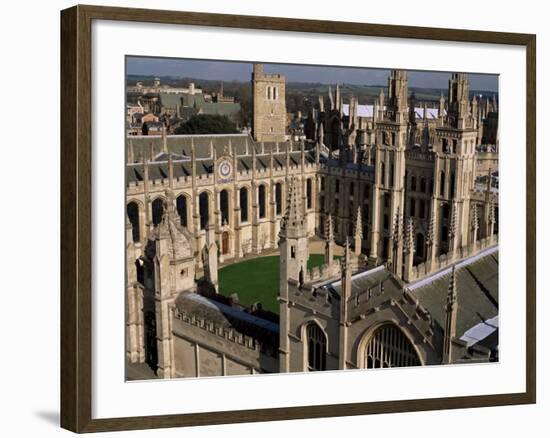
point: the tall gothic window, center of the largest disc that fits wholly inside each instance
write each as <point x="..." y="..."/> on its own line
<point x="261" y="201"/>
<point x="422" y="184"/>
<point x="412" y="211"/>
<point x="278" y="199"/>
<point x="413" y="183"/>
<point x="316" y="348"/>
<point x="132" y="210"/>
<point x="442" y="184"/>
<point x="203" y="210"/>
<point x="224" y="206"/>
<point x="181" y="206"/>
<point x="382" y="173"/>
<point x="309" y="197"/>
<point x="452" y="187"/>
<point x="243" y="199"/>
<point x="422" y="209"/>
<point x="388" y="347"/>
<point x="420" y="245"/>
<point x="158" y="210"/>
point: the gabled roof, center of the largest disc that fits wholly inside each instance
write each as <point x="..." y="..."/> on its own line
<point x="477" y="293"/>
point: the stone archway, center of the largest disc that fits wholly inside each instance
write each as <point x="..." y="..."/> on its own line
<point x="225" y="242"/>
<point x="388" y="347"/>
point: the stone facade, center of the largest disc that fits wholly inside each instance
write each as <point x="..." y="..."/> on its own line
<point x="396" y="184"/>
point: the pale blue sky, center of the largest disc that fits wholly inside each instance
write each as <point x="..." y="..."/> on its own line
<point x="227" y="71"/>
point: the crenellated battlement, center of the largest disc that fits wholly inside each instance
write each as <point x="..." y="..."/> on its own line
<point x="229" y="334"/>
<point x="446" y="260"/>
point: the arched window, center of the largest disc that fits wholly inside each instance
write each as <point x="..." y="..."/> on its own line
<point x="420" y="245"/>
<point x="132" y="210"/>
<point x="382" y="173"/>
<point x="181" y="206"/>
<point x="390" y="183"/>
<point x="268" y="92"/>
<point x="261" y="201"/>
<point x="278" y="199"/>
<point x="243" y="199"/>
<point x="422" y="209"/>
<point x="224" y="206"/>
<point x="413" y="183"/>
<point x="309" y="197"/>
<point x="351" y="188"/>
<point x="204" y="210"/>
<point x="158" y="210"/>
<point x="422" y="184"/>
<point x="442" y="184"/>
<point x="316" y="348"/>
<point x="388" y="347"/>
<point x="412" y="211"/>
<point x="275" y="92"/>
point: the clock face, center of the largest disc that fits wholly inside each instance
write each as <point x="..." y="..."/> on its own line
<point x="225" y="169"/>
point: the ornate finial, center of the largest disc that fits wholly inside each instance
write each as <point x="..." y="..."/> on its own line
<point x="358" y="225"/>
<point x="431" y="230"/>
<point x="346" y="260"/>
<point x="492" y="216"/>
<point x="475" y="218"/>
<point x="409" y="237"/>
<point x="329" y="231"/>
<point x="396" y="231"/>
<point x="451" y="294"/>
<point x="452" y="225"/>
<point x="293" y="216"/>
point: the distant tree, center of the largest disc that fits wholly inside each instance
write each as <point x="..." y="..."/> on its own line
<point x="207" y="124"/>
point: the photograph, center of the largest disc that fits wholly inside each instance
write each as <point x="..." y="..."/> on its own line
<point x="286" y="218"/>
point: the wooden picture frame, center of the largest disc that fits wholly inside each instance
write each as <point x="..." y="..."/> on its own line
<point x="76" y="218"/>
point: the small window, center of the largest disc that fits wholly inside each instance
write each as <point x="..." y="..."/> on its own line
<point x="293" y="252"/>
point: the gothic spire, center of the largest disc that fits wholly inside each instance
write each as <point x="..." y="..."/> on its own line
<point x="293" y="218"/>
<point x="408" y="245"/>
<point x="329" y="231"/>
<point x="475" y="218"/>
<point x="358" y="225"/>
<point x="452" y="225"/>
<point x="451" y="294"/>
<point x="431" y="229"/>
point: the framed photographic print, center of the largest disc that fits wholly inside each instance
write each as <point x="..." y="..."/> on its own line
<point x="261" y="216"/>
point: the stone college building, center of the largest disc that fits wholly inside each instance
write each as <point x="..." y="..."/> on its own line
<point x="401" y="197"/>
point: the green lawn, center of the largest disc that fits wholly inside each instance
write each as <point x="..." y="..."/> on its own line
<point x="257" y="280"/>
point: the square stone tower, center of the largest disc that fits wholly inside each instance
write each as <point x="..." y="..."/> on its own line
<point x="269" y="105"/>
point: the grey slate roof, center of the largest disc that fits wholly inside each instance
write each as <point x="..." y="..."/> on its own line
<point x="477" y="292"/>
<point x="223" y="315"/>
<point x="360" y="282"/>
<point x="180" y="146"/>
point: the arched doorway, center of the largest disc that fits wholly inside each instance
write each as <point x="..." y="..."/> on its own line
<point x="388" y="347"/>
<point x="225" y="242"/>
<point x="224" y="206"/>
